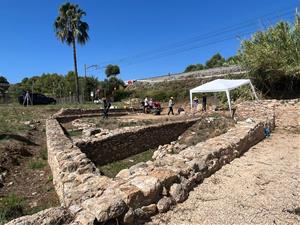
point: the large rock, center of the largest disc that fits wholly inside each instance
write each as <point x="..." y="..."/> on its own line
<point x="52" y="216"/>
<point x="105" y="207"/>
<point x="149" y="186"/>
<point x="165" y="176"/>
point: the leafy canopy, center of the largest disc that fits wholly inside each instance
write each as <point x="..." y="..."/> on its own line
<point x="273" y="57"/>
<point x="112" y="70"/>
<point x="68" y="25"/>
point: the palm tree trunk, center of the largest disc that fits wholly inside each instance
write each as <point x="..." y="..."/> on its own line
<point x="76" y="73"/>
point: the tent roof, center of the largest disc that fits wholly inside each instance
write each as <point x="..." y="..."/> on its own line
<point x="220" y="85"/>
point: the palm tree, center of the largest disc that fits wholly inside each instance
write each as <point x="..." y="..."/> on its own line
<point x="70" y="29"/>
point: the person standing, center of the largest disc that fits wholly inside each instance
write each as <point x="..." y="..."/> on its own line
<point x="106" y="106"/>
<point x="146" y="104"/>
<point x="204" y="103"/>
<point x="195" y="103"/>
<point x="170" y="105"/>
<point x="26" y="99"/>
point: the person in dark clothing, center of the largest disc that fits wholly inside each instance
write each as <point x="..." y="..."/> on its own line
<point x="106" y="106"/>
<point x="204" y="103"/>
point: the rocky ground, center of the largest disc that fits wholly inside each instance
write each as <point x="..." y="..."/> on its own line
<point x="261" y="187"/>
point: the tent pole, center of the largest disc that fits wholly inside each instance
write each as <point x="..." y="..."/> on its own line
<point x="191" y="100"/>
<point x="229" y="102"/>
<point x="253" y="90"/>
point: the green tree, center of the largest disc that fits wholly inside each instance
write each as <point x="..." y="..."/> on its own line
<point x="216" y="60"/>
<point x="4" y="85"/>
<point x="273" y="59"/>
<point x="232" y="60"/>
<point x="112" y="70"/>
<point x="194" y="67"/>
<point x="70" y="29"/>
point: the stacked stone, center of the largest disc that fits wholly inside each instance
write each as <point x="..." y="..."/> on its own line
<point x="145" y="188"/>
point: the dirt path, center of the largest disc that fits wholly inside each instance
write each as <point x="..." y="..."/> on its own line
<point x="261" y="187"/>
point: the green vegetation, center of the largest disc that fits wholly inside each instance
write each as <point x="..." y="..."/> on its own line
<point x="70" y="28"/>
<point x="11" y="207"/>
<point x="14" y="206"/>
<point x="13" y="117"/>
<point x="216" y="60"/>
<point x="112" y="70"/>
<point x="44" y="154"/>
<point x="37" y="164"/>
<point x="273" y="59"/>
<point x="74" y="133"/>
<point x="112" y="169"/>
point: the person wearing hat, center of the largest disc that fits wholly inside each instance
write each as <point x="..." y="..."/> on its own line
<point x="171" y="103"/>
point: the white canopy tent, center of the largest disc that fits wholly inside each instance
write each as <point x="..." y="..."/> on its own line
<point x="222" y="85"/>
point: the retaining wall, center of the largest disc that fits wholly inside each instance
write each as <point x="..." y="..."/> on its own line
<point x="67" y="115"/>
<point x="122" y="145"/>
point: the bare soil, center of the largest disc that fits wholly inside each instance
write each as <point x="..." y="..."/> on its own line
<point x="29" y="177"/>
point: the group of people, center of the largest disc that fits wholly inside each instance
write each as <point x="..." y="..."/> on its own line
<point x="147" y="104"/>
<point x="196" y="103"/>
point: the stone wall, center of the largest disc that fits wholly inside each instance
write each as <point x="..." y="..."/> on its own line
<point x="122" y="145"/>
<point x="146" y="188"/>
<point x="67" y="115"/>
<point x="214" y="72"/>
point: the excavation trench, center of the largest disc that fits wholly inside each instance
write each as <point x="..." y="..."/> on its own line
<point x="125" y="149"/>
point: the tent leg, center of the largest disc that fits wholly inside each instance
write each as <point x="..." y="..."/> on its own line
<point x="229" y="102"/>
<point x="191" y="100"/>
<point x="253" y="90"/>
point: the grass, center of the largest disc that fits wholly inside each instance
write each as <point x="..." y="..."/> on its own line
<point x="11" y="207"/>
<point x="74" y="133"/>
<point x="13" y="116"/>
<point x="44" y="154"/>
<point x="14" y="206"/>
<point x="36" y="164"/>
<point x="112" y="169"/>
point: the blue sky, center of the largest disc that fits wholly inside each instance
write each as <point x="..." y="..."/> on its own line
<point x="153" y="37"/>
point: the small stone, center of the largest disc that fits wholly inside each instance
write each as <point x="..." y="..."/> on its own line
<point x="27" y="122"/>
<point x="74" y="209"/>
<point x="129" y="217"/>
<point x="149" y="209"/>
<point x="164" y="191"/>
<point x="178" y="193"/>
<point x="164" y="204"/>
<point x="139" y="213"/>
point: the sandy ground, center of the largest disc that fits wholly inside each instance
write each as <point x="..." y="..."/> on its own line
<point x="261" y="187"/>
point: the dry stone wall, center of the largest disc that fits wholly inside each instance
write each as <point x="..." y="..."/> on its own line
<point x="146" y="188"/>
<point x="67" y="115"/>
<point x="124" y="144"/>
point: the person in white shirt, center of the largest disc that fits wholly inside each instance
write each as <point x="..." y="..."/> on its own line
<point x="170" y="105"/>
<point x="146" y="104"/>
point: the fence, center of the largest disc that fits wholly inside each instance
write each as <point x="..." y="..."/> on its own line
<point x="12" y="97"/>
